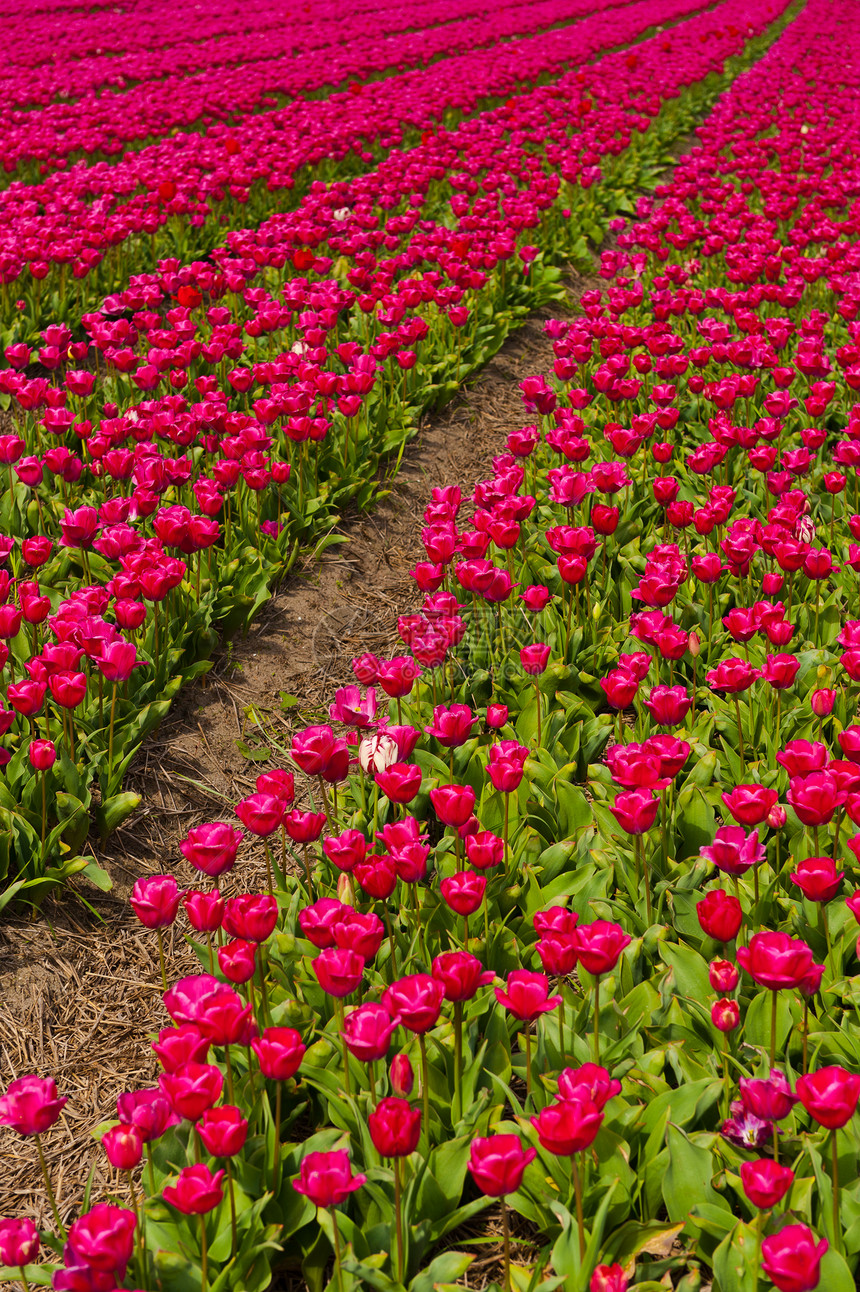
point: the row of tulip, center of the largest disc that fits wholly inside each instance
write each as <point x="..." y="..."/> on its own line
<point x="84" y="51"/>
<point x="144" y="523"/>
<point x="84" y="225"/>
<point x="233" y="77"/>
<point x="511" y="973"/>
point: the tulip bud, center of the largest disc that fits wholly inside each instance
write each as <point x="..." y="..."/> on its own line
<point x="772" y="583"/>
<point x="608" y="1278"/>
<point x="694" y="645"/>
<point x="725" y="1015"/>
<point x="123" y="1146"/>
<point x="19" y="1242"/>
<point x="822" y="702"/>
<point x="401" y="1075"/>
<point x="777" y="817"/>
<point x="723" y="976"/>
<point x="346" y="889"/>
<point x="497" y="716"/>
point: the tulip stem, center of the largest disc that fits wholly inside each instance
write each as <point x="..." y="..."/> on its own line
<point x="150" y="1171"/>
<point x="759" y="1220"/>
<point x="827" y="939"/>
<point x="834" y="1160"/>
<point x="339" y="1015"/>
<point x="561" y="1044"/>
<point x="425" y="1085"/>
<point x="110" y="730"/>
<point x="506" y="1234"/>
<point x="161" y="959"/>
<point x="234" y="1233"/>
<point x="597" y="1019"/>
<point x="577" y="1189"/>
<point x="805" y="1028"/>
<point x="646" y="875"/>
<point x="726" y="1076"/>
<point x="229" y="1067"/>
<point x="398" y="1220"/>
<point x="507" y="812"/>
<point x="458" y="1059"/>
<point x="336" y="1233"/>
<point x="276" y="1164"/>
<point x="46" y="1177"/>
<point x="772" y="1029"/>
<point x="24" y="1278"/>
<point x="269" y="875"/>
<point x="528" y="1061"/>
<point x="204" y="1256"/>
<point x="141" y="1233"/>
<point x="537" y="702"/>
<point x="740" y="730"/>
<point x="44" y="812"/>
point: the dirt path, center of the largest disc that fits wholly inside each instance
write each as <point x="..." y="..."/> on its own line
<point x="81" y="998"/>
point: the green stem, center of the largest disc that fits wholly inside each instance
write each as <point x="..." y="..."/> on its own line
<point x="458" y="1059"/>
<point x="276" y="1164"/>
<point x="577" y="1188"/>
<point x="772" y="1030"/>
<point x="398" y="1219"/>
<point x="425" y="1085"/>
<point x="834" y="1159"/>
<point x="337" y="1248"/>
<point x="234" y="1233"/>
<point x="740" y="730"/>
<point x="110" y="730"/>
<point x="528" y="1061"/>
<point x="204" y="1256"/>
<point x="161" y="958"/>
<point x="506" y="1233"/>
<point x="597" y="1020"/>
<point x="561" y="1044"/>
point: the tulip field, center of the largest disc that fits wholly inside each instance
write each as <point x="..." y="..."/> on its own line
<point x="550" y="978"/>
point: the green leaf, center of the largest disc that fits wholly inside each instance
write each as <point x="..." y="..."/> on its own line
<point x="96" y="875"/>
<point x="687" y="1181"/>
<point x="114" y="811"/>
<point x="736" y="1260"/>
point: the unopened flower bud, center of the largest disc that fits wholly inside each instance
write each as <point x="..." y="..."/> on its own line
<point x="694" y="645"/>
<point x="402" y="1076"/>
<point x="723" y="976"/>
<point x="777" y="817"/>
<point x="725" y="1015"/>
<point x="822" y="702"/>
<point x="345" y="889"/>
<point x="497" y="715"/>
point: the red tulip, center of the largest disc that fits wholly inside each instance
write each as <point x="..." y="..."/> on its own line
<point x="498" y="1162"/>
<point x="197" y="1190"/>
<point x="31" y="1105"/>
<point x="395" y="1127"/>
<point x="830" y="1096"/>
<point x="775" y="960"/>
<point x="223" y="1131"/>
<point x="415" y="1000"/>
<point x="599" y="945"/>
<point x="792" y="1259"/>
<point x="766" y="1182"/>
<point x="326" y="1178"/>
<point x="568" y="1127"/>
<point x="279" y="1052"/>
<point x="720" y="915"/>
<point x="526" y="995"/>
